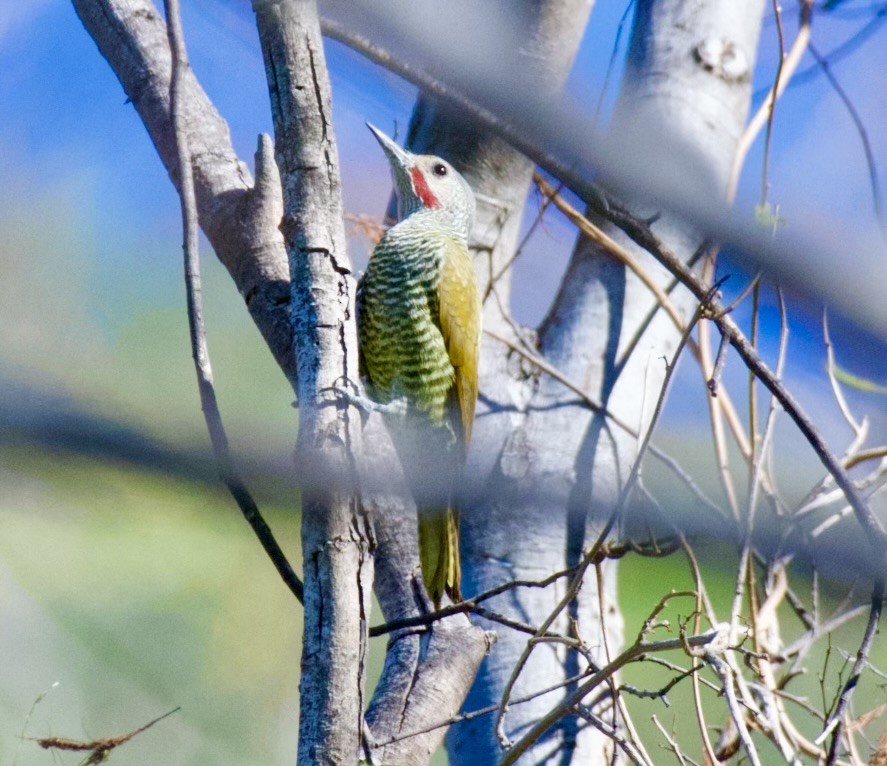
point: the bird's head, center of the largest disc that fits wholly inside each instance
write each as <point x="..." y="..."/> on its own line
<point x="426" y="182"/>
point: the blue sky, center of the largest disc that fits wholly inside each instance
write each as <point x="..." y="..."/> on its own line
<point x="90" y="223"/>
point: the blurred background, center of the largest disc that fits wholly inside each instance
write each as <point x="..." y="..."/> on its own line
<point x="128" y="590"/>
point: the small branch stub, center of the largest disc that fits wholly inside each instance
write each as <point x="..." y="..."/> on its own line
<point x="723" y="58"/>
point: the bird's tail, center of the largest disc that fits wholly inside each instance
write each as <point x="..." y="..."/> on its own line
<point x="439" y="554"/>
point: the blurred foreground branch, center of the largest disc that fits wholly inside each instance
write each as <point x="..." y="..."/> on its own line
<point x="197" y="328"/>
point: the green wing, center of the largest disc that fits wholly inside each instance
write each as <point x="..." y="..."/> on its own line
<point x="460" y="325"/>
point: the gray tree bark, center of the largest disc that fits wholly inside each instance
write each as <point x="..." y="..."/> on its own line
<point x="424" y="679"/>
<point x="688" y="75"/>
<point x="335" y="538"/>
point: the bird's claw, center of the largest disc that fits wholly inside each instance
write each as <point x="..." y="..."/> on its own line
<point x="396" y="407"/>
<point x="346" y="390"/>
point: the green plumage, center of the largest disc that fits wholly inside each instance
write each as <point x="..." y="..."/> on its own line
<point x="418" y="325"/>
<point x="403" y="350"/>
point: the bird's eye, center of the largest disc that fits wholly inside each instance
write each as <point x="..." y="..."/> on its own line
<point x="439" y="169"/>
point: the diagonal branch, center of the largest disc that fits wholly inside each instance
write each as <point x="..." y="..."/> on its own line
<point x="239" y="216"/>
<point x="199" y="348"/>
<point x="835" y="723"/>
<point x="193" y="142"/>
<point x="640" y="232"/>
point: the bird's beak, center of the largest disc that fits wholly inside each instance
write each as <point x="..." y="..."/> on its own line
<point x="400" y="159"/>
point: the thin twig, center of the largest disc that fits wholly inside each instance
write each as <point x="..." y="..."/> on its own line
<point x="557" y="375"/>
<point x="875" y="453"/>
<point x="40" y="697"/>
<point x="771" y="102"/>
<point x="863" y="136"/>
<point x="718" y="369"/>
<point x="717" y="406"/>
<point x="835" y="724"/>
<point x="763" y="619"/>
<point x="618" y="703"/>
<point x="843" y="50"/>
<point x="631" y="654"/>
<point x="99" y="749"/>
<point x="197" y="328"/>
<point x="611" y="732"/>
<point x="468" y="604"/>
<point x="472" y="714"/>
<point x="757" y="466"/>
<point x="702" y="602"/>
<point x="612" y="62"/>
<point x="857" y="426"/>
<point x="787" y="69"/>
<point x="736" y="713"/>
<point x="598" y="236"/>
<point x="799" y="646"/>
<point x="641" y="234"/>
<point x="540" y="215"/>
<point x="673" y="745"/>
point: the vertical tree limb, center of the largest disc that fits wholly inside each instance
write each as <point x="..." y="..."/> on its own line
<point x="335" y="540"/>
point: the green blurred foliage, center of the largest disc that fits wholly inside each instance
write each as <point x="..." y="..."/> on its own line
<point x="136" y="592"/>
<point x="139" y="594"/>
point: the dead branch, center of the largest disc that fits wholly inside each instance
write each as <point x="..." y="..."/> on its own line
<point x="239" y="218"/>
<point x="644" y="237"/>
<point x="99" y="749"/>
<point x="835" y="723"/>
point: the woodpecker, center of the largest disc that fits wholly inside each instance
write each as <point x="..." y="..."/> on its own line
<point x="419" y="322"/>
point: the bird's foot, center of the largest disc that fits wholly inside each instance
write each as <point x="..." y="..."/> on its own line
<point x="346" y="390"/>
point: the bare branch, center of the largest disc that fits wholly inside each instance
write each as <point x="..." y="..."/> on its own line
<point x="467" y="605"/>
<point x="787" y="67"/>
<point x="335" y="538"/>
<point x="99" y="749"/>
<point x="736" y="713"/>
<point x="640" y="233"/>
<point x="240" y="217"/>
<point x="863" y="137"/>
<point x="631" y="654"/>
<point x="835" y="724"/>
<point x="199" y="347"/>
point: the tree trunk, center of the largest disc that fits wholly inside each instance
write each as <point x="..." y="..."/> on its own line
<point x="534" y="434"/>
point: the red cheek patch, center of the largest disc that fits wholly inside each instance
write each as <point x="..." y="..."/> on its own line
<point x="420" y="186"/>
